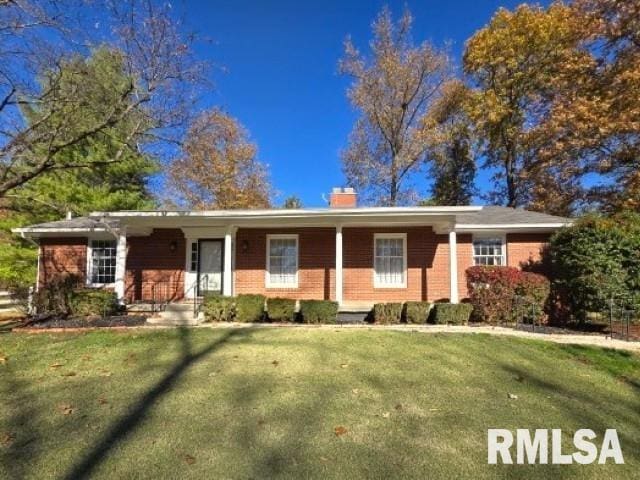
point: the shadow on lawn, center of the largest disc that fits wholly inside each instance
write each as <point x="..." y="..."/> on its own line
<point x="126" y="425"/>
<point x="590" y="415"/>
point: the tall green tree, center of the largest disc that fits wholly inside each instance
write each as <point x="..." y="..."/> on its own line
<point x="102" y="184"/>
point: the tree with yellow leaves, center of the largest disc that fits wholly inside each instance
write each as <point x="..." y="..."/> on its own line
<point x="219" y="168"/>
<point x="516" y="63"/>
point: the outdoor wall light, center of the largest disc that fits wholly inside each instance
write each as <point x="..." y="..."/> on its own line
<point x="173" y="246"/>
<point x="245" y="246"/>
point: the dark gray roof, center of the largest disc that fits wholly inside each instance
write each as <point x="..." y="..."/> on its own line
<point x="79" y="222"/>
<point x="503" y="215"/>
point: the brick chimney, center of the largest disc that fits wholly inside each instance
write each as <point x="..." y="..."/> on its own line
<point x="343" y="198"/>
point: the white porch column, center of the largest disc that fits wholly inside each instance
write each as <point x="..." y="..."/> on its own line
<point x="121" y="266"/>
<point x="453" y="267"/>
<point x="227" y="278"/>
<point x="339" y="264"/>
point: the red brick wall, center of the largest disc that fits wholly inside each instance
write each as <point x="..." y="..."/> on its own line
<point x="316" y="263"/>
<point x="150" y="261"/>
<point x="358" y="264"/>
<point x="525" y="247"/>
<point x="62" y="256"/>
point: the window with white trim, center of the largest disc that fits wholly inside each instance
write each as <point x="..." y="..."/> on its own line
<point x="390" y="260"/>
<point x="194" y="257"/>
<point x="282" y="261"/>
<point x="103" y="262"/>
<point x="488" y="251"/>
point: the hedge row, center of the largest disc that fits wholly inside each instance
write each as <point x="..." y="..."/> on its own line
<point x="421" y="312"/>
<point x="257" y="308"/>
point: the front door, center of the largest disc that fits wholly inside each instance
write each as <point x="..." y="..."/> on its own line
<point x="209" y="266"/>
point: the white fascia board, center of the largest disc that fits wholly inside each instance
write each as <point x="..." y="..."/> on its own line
<point x="28" y="230"/>
<point x="276" y="214"/>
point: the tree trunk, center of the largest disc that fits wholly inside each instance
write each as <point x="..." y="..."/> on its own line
<point x="393" y="195"/>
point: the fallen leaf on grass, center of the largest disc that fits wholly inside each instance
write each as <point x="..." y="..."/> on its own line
<point x="511" y="396"/>
<point x="398" y="407"/>
<point x="7" y="439"/>
<point x="434" y="409"/>
<point x="275" y="363"/>
<point x="65" y="408"/>
<point x="189" y="459"/>
<point x="339" y="431"/>
<point x="56" y="365"/>
<point x="386" y="415"/>
<point x="86" y="357"/>
<point x="68" y="374"/>
<point x="355" y="391"/>
<point x="103" y="401"/>
<point x="344" y="365"/>
<point x="3" y="359"/>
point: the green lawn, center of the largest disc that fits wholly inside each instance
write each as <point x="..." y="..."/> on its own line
<point x="262" y="403"/>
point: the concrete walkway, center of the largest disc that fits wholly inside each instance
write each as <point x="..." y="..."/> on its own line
<point x="568" y="338"/>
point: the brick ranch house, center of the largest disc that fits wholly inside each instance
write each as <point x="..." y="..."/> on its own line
<point x="355" y="256"/>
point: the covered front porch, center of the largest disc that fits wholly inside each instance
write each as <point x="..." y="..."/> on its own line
<point x="177" y="257"/>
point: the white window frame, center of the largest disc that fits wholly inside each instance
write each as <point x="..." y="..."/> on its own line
<point x="268" y="282"/>
<point x="388" y="236"/>
<point x="488" y="236"/>
<point x="89" y="279"/>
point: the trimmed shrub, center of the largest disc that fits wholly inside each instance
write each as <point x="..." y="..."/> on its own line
<point x="387" y="313"/>
<point x="249" y="308"/>
<point x="534" y="289"/>
<point x="281" y="309"/>
<point x="218" y="308"/>
<point x="92" y="301"/>
<point x="451" y="313"/>
<point x="492" y="291"/>
<point x="501" y="294"/>
<point x="53" y="299"/>
<point x="416" y="312"/>
<point x="318" y="311"/>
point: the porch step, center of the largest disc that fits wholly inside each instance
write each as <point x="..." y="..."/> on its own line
<point x="175" y="314"/>
<point x="353" y="317"/>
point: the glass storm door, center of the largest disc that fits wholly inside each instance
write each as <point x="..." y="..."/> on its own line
<point x="209" y="267"/>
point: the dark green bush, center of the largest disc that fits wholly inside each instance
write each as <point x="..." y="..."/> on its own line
<point x="416" y="312"/>
<point x="93" y="301"/>
<point x="53" y="299"/>
<point x="318" y="311"/>
<point x="249" y="308"/>
<point x="387" y="313"/>
<point x="281" y="309"/>
<point x="451" y="313"/>
<point x="594" y="260"/>
<point x="218" y="308"/>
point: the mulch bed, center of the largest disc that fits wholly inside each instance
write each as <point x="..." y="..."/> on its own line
<point x="88" y="322"/>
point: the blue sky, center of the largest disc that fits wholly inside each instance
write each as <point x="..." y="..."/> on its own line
<point x="278" y="74"/>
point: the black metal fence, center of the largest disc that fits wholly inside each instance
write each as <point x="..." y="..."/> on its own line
<point x="624" y="319"/>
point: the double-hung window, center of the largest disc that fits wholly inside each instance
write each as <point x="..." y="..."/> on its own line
<point x="282" y="261"/>
<point x="102" y="262"/>
<point x="488" y="251"/>
<point x="390" y="260"/>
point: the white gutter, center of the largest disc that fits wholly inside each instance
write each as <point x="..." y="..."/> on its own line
<point x="462" y="227"/>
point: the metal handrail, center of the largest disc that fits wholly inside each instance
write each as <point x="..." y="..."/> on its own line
<point x="197" y="303"/>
